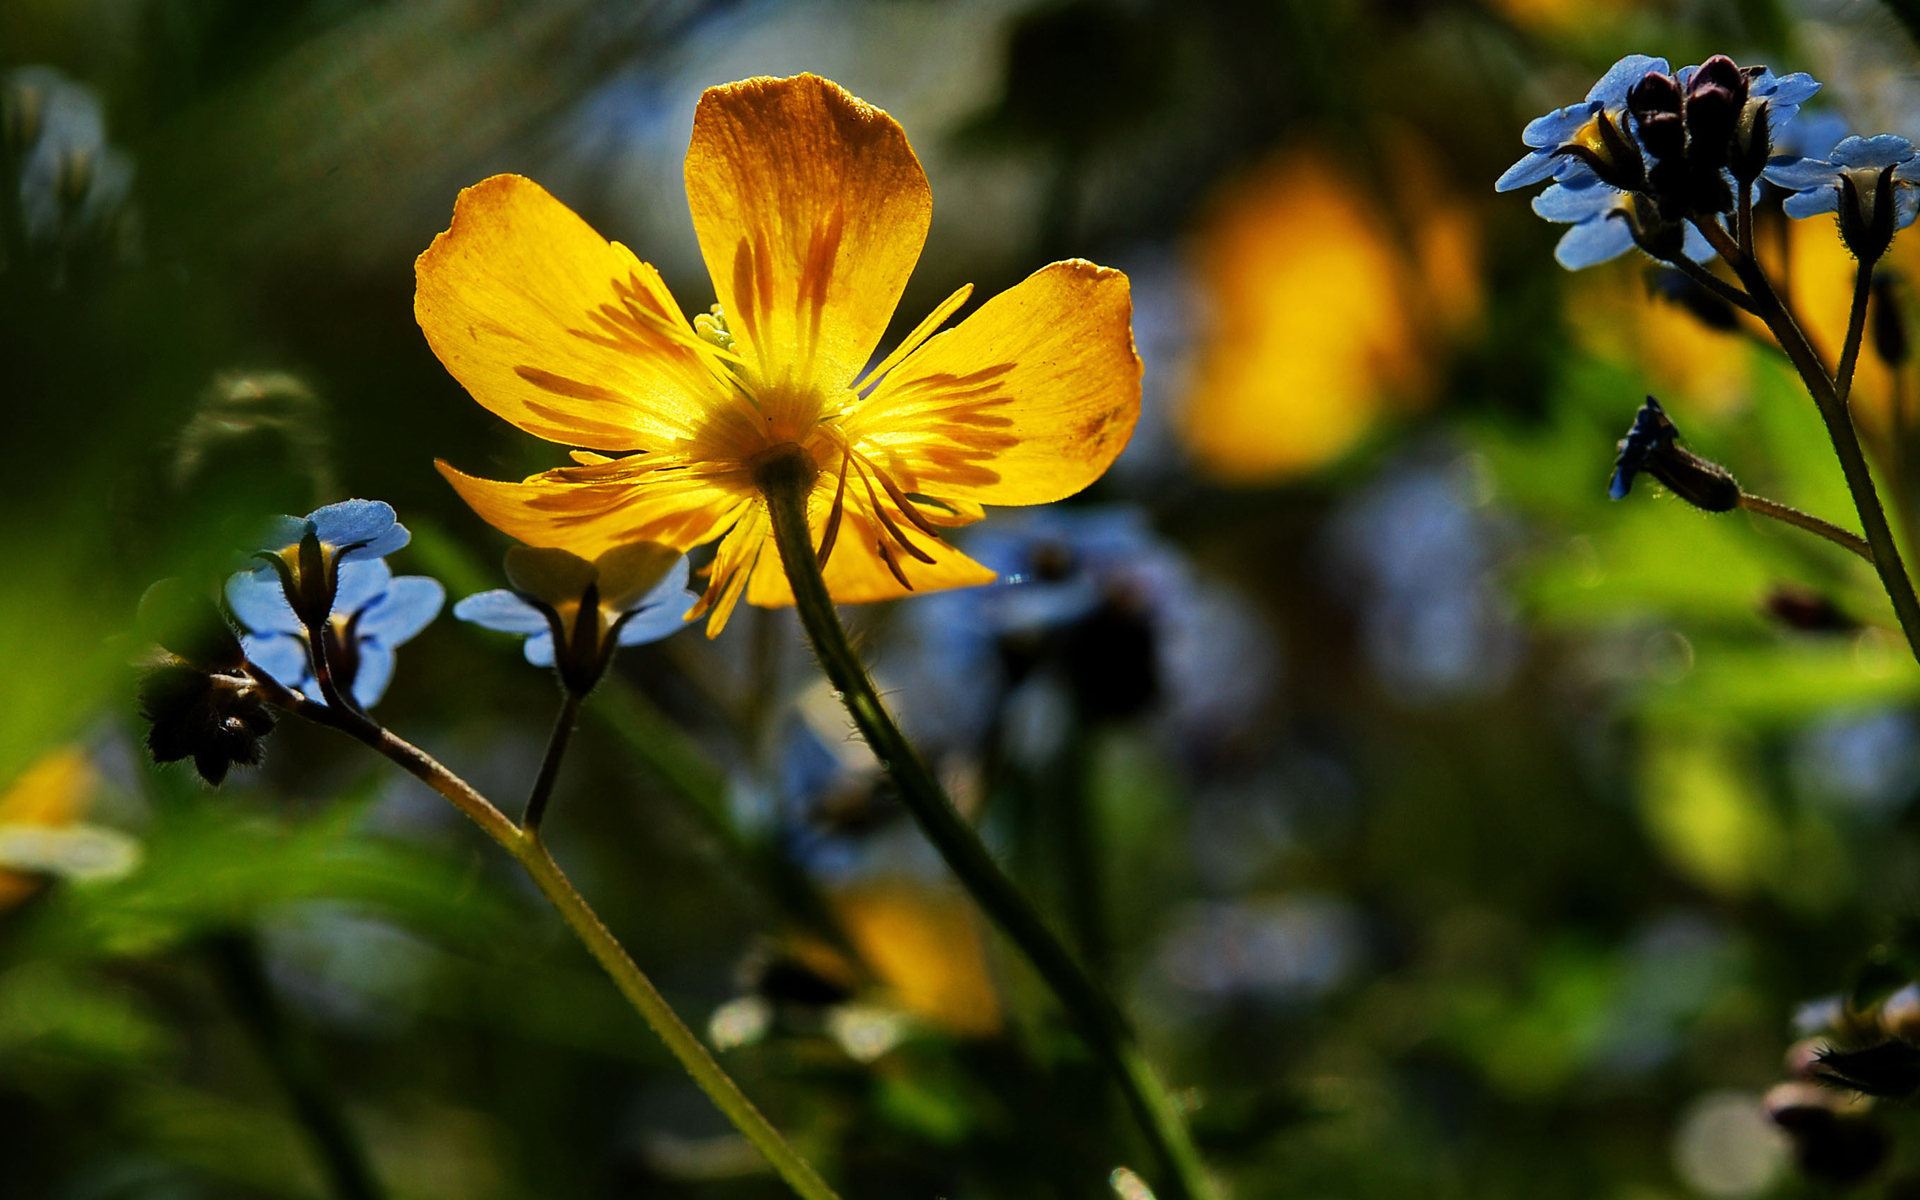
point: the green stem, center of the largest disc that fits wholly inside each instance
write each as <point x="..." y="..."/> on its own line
<point x="1856" y="325"/>
<point x="1807" y="521"/>
<point x="550" y="765"/>
<point x="531" y="853"/>
<point x="243" y="977"/>
<point x="1833" y="411"/>
<point x="786" y="479"/>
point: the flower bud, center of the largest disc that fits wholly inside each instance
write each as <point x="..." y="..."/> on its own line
<point x="1655" y="103"/>
<point x="1652" y="445"/>
<point x="1890" y="1069"/>
<point x="1716" y="99"/>
<point x="1752" y="142"/>
<point x="216" y="720"/>
<point x="1806" y="611"/>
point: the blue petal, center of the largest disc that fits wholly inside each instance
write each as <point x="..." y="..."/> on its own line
<point x="1800" y="174"/>
<point x="502" y="610"/>
<point x="1809" y="135"/>
<point x="281" y="532"/>
<point x="261" y="605"/>
<point x="282" y="656"/>
<point x="1812" y="203"/>
<point x="539" y="649"/>
<point x="361" y="583"/>
<point x="1613" y="87"/>
<point x="1696" y="246"/>
<point x="1906" y="204"/>
<point x="1593" y="242"/>
<point x="1795" y="89"/>
<point x="410" y="605"/>
<point x="1529" y="170"/>
<point x="657" y="621"/>
<point x="1876" y="152"/>
<point x="674" y="582"/>
<point x="373" y="673"/>
<point x="360" y="521"/>
<point x="1571" y="205"/>
<point x="1550" y="132"/>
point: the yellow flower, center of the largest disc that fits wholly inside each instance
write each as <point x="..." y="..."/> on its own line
<point x="811" y="211"/>
<point x="53" y="793"/>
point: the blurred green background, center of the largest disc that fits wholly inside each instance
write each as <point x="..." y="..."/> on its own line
<point x="1449" y="830"/>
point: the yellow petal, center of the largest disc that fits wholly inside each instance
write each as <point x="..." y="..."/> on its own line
<point x="1027" y="401"/>
<point x="557" y="330"/>
<point x="590" y="510"/>
<point x="811" y="210"/>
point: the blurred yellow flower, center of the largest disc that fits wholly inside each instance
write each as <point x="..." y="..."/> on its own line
<point x="924" y="945"/>
<point x="53" y="793"/>
<point x="811" y="211"/>
<point x="1614" y="315"/>
<point x="1568" y="17"/>
<point x="1820" y="280"/>
<point x="1324" y="314"/>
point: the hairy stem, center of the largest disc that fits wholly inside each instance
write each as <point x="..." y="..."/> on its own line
<point x="786" y="481"/>
<point x="1856" y="325"/>
<point x="1808" y="522"/>
<point x="528" y="850"/>
<point x="1833" y="411"/>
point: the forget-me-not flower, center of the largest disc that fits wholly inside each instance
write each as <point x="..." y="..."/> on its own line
<point x="1854" y="179"/>
<point x="1547" y="137"/>
<point x="308" y="552"/>
<point x="372" y="613"/>
<point x="1601" y="218"/>
<point x="638" y="593"/>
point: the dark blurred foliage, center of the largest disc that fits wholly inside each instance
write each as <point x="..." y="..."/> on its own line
<point x="1448" y="829"/>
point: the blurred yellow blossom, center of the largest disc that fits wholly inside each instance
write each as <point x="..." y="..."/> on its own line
<point x="53" y="793"/>
<point x="811" y="210"/>
<point x="1614" y="314"/>
<point x="924" y="945"/>
<point x="1326" y="312"/>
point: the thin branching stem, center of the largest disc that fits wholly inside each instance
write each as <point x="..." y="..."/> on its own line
<point x="1807" y="521"/>
<point x="1833" y="411"/>
<point x="785" y="480"/>
<point x="1713" y="283"/>
<point x="532" y="855"/>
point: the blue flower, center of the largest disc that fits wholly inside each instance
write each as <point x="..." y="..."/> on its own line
<point x="638" y="591"/>
<point x="1814" y="135"/>
<point x="373" y="612"/>
<point x="350" y="531"/>
<point x="1601" y="218"/>
<point x="1817" y="182"/>
<point x="1546" y="135"/>
<point x="1783" y="94"/>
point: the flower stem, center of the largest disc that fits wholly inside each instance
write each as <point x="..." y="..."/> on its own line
<point x="235" y="959"/>
<point x="532" y="855"/>
<point x="1806" y="521"/>
<point x="786" y="481"/>
<point x="550" y="765"/>
<point x="1856" y="325"/>
<point x="1833" y="411"/>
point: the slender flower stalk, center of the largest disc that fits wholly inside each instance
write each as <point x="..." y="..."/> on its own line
<point x="1856" y="326"/>
<point x="531" y="853"/>
<point x="550" y="764"/>
<point x="1840" y="429"/>
<point x="787" y="479"/>
<point x="1802" y="520"/>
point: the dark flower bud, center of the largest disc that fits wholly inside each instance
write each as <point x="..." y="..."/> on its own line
<point x="1655" y="103"/>
<point x="1807" y="611"/>
<point x="1652" y="445"/>
<point x="1680" y="288"/>
<point x="1833" y="1139"/>
<point x="1867" y="212"/>
<point x="1657" y="235"/>
<point x="1716" y="98"/>
<point x="1889" y="321"/>
<point x="1889" y="1069"/>
<point x="1752" y="142"/>
<point x="217" y="720"/>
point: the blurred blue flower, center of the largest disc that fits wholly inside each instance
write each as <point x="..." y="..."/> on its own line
<point x="1817" y="182"/>
<point x="633" y="620"/>
<point x="72" y="181"/>
<point x="1544" y="136"/>
<point x="1783" y="94"/>
<point x="1096" y="596"/>
<point x="373" y="612"/>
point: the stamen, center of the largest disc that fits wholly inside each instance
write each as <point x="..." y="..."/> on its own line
<point x="833" y="517"/>
<point x="893" y="530"/>
<point x="907" y="507"/>
<point x="886" y="556"/>
<point x="921" y="333"/>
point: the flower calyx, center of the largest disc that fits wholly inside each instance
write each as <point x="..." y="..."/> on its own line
<point x="1652" y="446"/>
<point x="1867" y="211"/>
<point x="587" y="605"/>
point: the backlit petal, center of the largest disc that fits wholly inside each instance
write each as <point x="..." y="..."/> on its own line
<point x="557" y="330"/>
<point x="590" y="510"/>
<point x="1027" y="401"/>
<point x="811" y="210"/>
